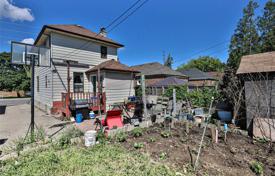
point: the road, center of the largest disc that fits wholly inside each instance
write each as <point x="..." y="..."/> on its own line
<point x="14" y="101"/>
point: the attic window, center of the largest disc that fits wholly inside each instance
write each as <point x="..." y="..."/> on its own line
<point x="103" y="51"/>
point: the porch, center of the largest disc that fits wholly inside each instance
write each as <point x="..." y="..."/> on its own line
<point x="80" y="100"/>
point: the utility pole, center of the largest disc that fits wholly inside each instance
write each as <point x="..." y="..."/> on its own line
<point x="143" y="96"/>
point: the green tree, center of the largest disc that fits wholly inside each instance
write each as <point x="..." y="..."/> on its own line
<point x="12" y="77"/>
<point x="245" y="38"/>
<point x="169" y="61"/>
<point x="266" y="27"/>
<point x="204" y="63"/>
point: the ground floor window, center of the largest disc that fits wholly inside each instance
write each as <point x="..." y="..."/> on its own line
<point x="78" y="83"/>
<point x="94" y="85"/>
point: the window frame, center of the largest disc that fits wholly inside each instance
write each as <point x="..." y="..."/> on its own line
<point x="103" y="52"/>
<point x="74" y="86"/>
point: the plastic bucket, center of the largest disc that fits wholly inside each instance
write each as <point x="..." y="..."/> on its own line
<point x="90" y="138"/>
<point x="79" y="118"/>
<point x="92" y="115"/>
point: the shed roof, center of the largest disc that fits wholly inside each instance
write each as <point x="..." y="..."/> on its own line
<point x="257" y="63"/>
<point x="77" y="30"/>
<point x="155" y="68"/>
<point x="111" y="65"/>
<point x="170" y="81"/>
<point x="196" y="74"/>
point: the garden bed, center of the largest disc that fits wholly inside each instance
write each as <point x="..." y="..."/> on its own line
<point x="235" y="157"/>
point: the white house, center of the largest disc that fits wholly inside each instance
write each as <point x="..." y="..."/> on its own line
<point x="78" y="56"/>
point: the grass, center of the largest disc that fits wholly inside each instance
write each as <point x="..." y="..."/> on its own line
<point x="100" y="160"/>
<point x="137" y="132"/>
<point x="257" y="167"/>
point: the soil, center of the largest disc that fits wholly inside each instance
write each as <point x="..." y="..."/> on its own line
<point x="231" y="158"/>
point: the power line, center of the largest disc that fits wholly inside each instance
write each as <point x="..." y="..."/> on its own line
<point x="136" y="9"/>
<point x="116" y="19"/>
<point x="205" y="49"/>
<point x="85" y="44"/>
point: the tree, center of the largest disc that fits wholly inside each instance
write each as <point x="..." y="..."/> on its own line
<point x="204" y="63"/>
<point x="245" y="39"/>
<point x="13" y="77"/>
<point x="169" y="61"/>
<point x="266" y="27"/>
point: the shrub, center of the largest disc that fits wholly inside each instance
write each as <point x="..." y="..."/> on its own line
<point x="165" y="134"/>
<point x="121" y="136"/>
<point x="101" y="137"/>
<point x="257" y="167"/>
<point x="137" y="132"/>
<point x="138" y="145"/>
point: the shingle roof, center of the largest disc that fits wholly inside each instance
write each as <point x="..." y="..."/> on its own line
<point x="257" y="63"/>
<point x="78" y="30"/>
<point x="111" y="65"/>
<point x="170" y="81"/>
<point x="156" y="68"/>
<point x="196" y="74"/>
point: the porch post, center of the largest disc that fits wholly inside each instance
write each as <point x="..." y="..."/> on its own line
<point x="99" y="91"/>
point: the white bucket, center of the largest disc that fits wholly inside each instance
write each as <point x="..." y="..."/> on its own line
<point x="90" y="138"/>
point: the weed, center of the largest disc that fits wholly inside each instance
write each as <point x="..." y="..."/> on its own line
<point x="262" y="140"/>
<point x="257" y="167"/>
<point x="152" y="139"/>
<point x="138" y="145"/>
<point x="163" y="155"/>
<point x="19" y="145"/>
<point x="65" y="140"/>
<point x="165" y="134"/>
<point x="101" y="137"/>
<point x="137" y="132"/>
<point x="121" y="136"/>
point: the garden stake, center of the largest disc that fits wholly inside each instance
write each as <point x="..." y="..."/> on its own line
<point x="203" y="134"/>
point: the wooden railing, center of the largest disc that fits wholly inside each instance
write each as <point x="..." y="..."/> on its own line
<point x="69" y="100"/>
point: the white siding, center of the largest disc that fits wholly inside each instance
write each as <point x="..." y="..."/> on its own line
<point x="60" y="81"/>
<point x="43" y="98"/>
<point x="72" y="48"/>
<point x="118" y="86"/>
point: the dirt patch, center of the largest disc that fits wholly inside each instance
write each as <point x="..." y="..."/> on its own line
<point x="230" y="158"/>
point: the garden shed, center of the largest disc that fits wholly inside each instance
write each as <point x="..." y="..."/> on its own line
<point x="258" y="73"/>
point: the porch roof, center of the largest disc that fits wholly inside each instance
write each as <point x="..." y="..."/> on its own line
<point x="112" y="65"/>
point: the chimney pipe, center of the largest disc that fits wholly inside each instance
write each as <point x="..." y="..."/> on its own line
<point x="103" y="32"/>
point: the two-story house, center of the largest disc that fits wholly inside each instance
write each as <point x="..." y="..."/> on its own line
<point x="78" y="57"/>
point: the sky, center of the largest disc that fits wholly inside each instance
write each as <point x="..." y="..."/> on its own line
<point x="184" y="28"/>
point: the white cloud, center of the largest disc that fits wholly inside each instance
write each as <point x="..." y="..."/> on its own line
<point x="28" y="40"/>
<point x="14" y="13"/>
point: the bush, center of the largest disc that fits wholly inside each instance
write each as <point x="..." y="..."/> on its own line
<point x="137" y="132"/>
<point x="257" y="167"/>
<point x="121" y="136"/>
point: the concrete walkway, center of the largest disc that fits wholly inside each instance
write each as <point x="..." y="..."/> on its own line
<point x="15" y="122"/>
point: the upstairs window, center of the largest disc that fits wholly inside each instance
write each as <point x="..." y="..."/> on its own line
<point x="103" y="51"/>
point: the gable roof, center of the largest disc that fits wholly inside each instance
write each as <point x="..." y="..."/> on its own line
<point x="257" y="63"/>
<point x="79" y="31"/>
<point x="170" y="81"/>
<point x="196" y="74"/>
<point x="155" y="68"/>
<point x="111" y="65"/>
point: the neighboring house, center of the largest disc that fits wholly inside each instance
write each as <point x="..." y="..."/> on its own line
<point x="258" y="72"/>
<point x="76" y="54"/>
<point x="198" y="78"/>
<point x="155" y="72"/>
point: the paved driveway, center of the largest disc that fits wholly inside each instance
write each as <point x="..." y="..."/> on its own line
<point x="15" y="122"/>
<point x="14" y="101"/>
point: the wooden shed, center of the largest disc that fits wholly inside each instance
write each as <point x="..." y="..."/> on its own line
<point x="258" y="71"/>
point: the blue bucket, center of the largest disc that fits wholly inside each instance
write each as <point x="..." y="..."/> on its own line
<point x="225" y="116"/>
<point x="79" y="118"/>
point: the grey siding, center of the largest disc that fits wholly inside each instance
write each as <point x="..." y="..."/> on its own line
<point x="43" y="97"/>
<point x="60" y="81"/>
<point x="118" y="86"/>
<point x="72" y="48"/>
